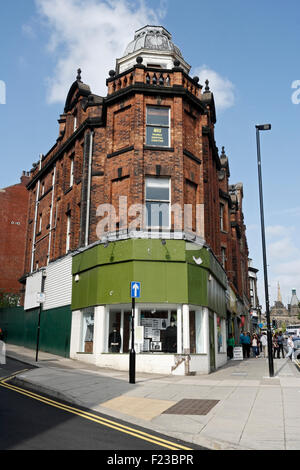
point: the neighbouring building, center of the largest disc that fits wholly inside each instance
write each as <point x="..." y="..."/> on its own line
<point x="255" y="312"/>
<point x="285" y="315"/>
<point x="134" y="189"/>
<point x="13" y="216"/>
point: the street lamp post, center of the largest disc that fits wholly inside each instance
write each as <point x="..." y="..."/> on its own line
<point x="264" y="127"/>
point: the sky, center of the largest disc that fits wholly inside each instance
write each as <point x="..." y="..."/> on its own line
<point x="249" y="51"/>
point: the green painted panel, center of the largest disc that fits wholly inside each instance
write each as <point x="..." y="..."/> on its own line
<point x="126" y="250"/>
<point x="110" y="284"/>
<point x="198" y="278"/>
<point x="168" y="273"/>
<point x="21" y="329"/>
<point x="208" y="261"/>
<point x="56" y="331"/>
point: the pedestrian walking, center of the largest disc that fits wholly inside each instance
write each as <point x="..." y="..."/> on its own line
<point x="230" y="346"/>
<point x="264" y="344"/>
<point x="280" y="345"/>
<point x="243" y="343"/>
<point x="275" y="346"/>
<point x="290" y="345"/>
<point x="248" y="343"/>
<point x="254" y="345"/>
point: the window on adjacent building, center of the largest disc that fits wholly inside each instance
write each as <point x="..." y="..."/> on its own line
<point x="158" y="202"/>
<point x="223" y="257"/>
<point x="222" y="219"/>
<point x="75" y="122"/>
<point x="158" y="126"/>
<point x="71" y="171"/>
<point x="40" y="223"/>
<point x="68" y="237"/>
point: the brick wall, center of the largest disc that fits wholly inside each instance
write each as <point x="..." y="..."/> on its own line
<point x="121" y="161"/>
<point x="13" y="216"/>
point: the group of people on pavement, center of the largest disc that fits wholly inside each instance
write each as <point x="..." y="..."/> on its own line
<point x="259" y="345"/>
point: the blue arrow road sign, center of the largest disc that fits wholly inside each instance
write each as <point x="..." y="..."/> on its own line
<point x="135" y="288"/>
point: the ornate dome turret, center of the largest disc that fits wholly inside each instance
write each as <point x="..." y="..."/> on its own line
<point x="154" y="44"/>
<point x="153" y="38"/>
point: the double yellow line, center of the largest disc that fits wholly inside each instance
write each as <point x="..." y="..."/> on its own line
<point x="92" y="417"/>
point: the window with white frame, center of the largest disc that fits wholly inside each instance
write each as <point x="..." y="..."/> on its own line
<point x="158" y="199"/>
<point x="158" y="126"/>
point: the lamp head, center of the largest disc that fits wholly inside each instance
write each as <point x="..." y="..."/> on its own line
<point x="264" y="127"/>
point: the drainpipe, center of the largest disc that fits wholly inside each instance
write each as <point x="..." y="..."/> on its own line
<point x="88" y="202"/>
<point x="35" y="217"/>
<point x="51" y="213"/>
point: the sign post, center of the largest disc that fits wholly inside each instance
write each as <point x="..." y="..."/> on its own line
<point x="135" y="293"/>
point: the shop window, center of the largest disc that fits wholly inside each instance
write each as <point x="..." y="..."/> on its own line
<point x="192" y="332"/>
<point x="160" y="331"/>
<point x="120" y="323"/>
<point x="158" y="126"/>
<point x="87" y="336"/>
<point x="221" y="333"/>
<point x="158" y="202"/>
<point x="200" y="332"/>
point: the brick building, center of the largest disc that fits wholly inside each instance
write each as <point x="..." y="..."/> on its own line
<point x="13" y="215"/>
<point x="134" y="189"/>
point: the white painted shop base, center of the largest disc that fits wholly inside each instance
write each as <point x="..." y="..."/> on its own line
<point x="182" y="363"/>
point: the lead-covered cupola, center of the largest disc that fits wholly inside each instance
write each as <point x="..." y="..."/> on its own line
<point x="154" y="44"/>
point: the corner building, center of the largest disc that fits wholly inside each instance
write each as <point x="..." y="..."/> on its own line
<point x="131" y="191"/>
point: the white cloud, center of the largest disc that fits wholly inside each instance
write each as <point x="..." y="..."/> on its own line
<point x="283" y="256"/>
<point x="222" y="88"/>
<point x="90" y="34"/>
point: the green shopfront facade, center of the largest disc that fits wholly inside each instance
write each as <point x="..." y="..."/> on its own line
<point x="179" y="282"/>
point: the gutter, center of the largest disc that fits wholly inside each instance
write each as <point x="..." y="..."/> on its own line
<point x="88" y="202"/>
<point x="35" y="218"/>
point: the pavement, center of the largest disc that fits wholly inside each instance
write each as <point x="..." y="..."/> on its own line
<point x="247" y="410"/>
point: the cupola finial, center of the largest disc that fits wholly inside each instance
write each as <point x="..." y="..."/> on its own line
<point x="78" y="78"/>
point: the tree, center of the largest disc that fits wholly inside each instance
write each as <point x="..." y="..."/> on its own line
<point x="9" y="299"/>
